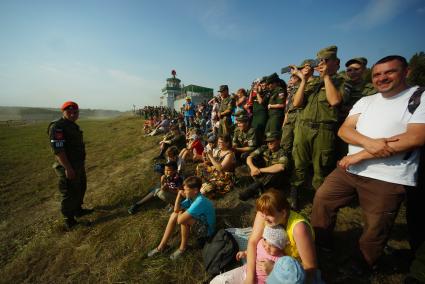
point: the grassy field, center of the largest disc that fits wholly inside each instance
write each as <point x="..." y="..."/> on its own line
<point x="34" y="248"/>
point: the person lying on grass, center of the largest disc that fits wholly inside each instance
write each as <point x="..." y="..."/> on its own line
<point x="171" y="182"/>
<point x="193" y="212"/>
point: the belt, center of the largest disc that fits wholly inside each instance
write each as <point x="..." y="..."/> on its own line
<point x="320" y="125"/>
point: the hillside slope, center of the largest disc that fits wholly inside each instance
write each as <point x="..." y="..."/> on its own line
<point x="35" y="249"/>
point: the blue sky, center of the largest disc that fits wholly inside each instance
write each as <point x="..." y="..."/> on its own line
<point x="113" y="54"/>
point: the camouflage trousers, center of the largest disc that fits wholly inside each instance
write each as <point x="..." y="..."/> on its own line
<point x="313" y="144"/>
<point x="72" y="191"/>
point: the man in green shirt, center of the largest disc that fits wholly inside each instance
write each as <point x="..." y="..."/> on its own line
<point x="266" y="165"/>
<point x="314" y="137"/>
<point x="244" y="139"/>
<point x="225" y="111"/>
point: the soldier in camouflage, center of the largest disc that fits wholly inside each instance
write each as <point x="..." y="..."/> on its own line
<point x="244" y="139"/>
<point x="266" y="165"/>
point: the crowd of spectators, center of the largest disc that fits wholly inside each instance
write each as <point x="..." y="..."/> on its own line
<point x="284" y="133"/>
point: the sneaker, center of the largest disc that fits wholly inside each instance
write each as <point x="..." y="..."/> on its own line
<point x="153" y="252"/>
<point x="82" y="212"/>
<point x="175" y="255"/>
<point x="132" y="209"/>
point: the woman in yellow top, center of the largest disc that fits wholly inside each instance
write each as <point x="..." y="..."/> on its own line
<point x="273" y="209"/>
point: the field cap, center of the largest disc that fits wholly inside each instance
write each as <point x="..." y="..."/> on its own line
<point x="359" y="60"/>
<point x="188" y="98"/>
<point x="223" y="88"/>
<point x="276" y="236"/>
<point x="306" y="62"/>
<point x="286" y="270"/>
<point x="242" y="117"/>
<point x="328" y="52"/>
<point x="270" y="136"/>
<point x="69" y="105"/>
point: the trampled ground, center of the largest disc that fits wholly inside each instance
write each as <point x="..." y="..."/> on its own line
<point x="34" y="248"/>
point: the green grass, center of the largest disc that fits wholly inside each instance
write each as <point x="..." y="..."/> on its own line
<point x="35" y="249"/>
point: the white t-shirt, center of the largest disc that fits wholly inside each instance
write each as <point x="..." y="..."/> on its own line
<point x="382" y="118"/>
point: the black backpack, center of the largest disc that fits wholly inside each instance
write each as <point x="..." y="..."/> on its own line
<point x="219" y="253"/>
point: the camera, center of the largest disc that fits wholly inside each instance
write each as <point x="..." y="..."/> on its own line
<point x="313" y="64"/>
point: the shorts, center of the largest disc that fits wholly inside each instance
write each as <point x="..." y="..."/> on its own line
<point x="167" y="196"/>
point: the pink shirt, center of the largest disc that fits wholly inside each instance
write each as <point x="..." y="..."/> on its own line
<point x="261" y="255"/>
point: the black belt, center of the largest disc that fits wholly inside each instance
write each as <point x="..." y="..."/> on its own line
<point x="320" y="125"/>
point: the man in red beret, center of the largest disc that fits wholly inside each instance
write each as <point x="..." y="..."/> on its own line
<point x="66" y="141"/>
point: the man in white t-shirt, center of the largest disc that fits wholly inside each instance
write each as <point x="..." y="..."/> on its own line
<point x="384" y="140"/>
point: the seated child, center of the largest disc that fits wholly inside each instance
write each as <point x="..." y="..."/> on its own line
<point x="286" y="270"/>
<point x="171" y="182"/>
<point x="269" y="250"/>
<point x="193" y="212"/>
<point x="194" y="150"/>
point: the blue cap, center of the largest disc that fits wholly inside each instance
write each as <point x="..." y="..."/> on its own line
<point x="286" y="270"/>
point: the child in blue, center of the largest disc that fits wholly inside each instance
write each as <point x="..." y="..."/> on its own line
<point x="193" y="212"/>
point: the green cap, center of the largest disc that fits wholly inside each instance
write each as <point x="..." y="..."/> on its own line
<point x="223" y="88"/>
<point x="328" y="52"/>
<point x="272" y="78"/>
<point x="306" y="62"/>
<point x="242" y="118"/>
<point x="270" y="136"/>
<point x="359" y="60"/>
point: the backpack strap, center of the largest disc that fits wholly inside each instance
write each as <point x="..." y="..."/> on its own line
<point x="415" y="99"/>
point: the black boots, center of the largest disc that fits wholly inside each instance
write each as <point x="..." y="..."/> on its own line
<point x="293" y="199"/>
<point x="251" y="191"/>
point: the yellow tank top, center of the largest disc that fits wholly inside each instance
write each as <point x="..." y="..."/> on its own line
<point x="294" y="218"/>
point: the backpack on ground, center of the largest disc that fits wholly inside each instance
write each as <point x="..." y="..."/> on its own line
<point x="219" y="253"/>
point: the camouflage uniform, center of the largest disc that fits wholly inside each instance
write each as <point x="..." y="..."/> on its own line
<point x="226" y="121"/>
<point x="264" y="157"/>
<point x="315" y="133"/>
<point x="288" y="128"/>
<point x="66" y="136"/>
<point x="244" y="139"/>
<point x="274" y="123"/>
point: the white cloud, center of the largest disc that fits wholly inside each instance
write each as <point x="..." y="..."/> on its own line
<point x="420" y="10"/>
<point x="376" y="13"/>
<point x="217" y="20"/>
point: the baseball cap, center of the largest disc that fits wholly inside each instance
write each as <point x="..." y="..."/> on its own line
<point x="69" y="105"/>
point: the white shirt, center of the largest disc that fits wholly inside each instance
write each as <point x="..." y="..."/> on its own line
<point x="383" y="118"/>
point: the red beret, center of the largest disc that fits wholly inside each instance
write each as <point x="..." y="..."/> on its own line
<point x="69" y="105"/>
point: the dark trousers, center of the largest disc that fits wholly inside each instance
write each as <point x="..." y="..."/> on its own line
<point x="379" y="200"/>
<point x="72" y="191"/>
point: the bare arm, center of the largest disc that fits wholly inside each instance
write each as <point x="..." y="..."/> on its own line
<point x="306" y="249"/>
<point x="377" y="147"/>
<point x="273" y="169"/>
<point x="413" y="138"/>
<point x="256" y="235"/>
